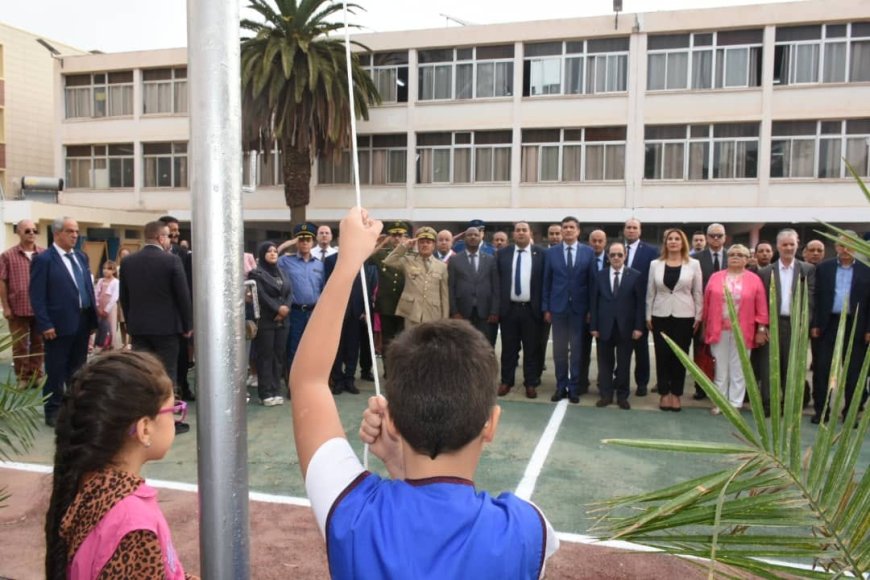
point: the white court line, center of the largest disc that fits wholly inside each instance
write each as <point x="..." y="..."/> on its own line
<point x="303" y="502"/>
<point x="527" y="484"/>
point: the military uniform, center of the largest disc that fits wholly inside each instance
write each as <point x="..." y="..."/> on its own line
<point x="425" y="297"/>
<point x="391" y="283"/>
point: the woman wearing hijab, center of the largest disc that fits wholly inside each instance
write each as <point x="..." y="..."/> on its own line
<point x="270" y="344"/>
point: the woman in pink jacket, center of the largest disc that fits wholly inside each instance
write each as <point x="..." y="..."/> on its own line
<point x="750" y="300"/>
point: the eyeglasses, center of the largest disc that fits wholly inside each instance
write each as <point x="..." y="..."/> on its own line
<point x="33" y="231"/>
<point x="716" y="235"/>
<point x="179" y="408"/>
<point x="616" y="254"/>
<point x="738" y="256"/>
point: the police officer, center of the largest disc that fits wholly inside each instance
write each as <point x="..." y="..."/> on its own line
<point x="305" y="273"/>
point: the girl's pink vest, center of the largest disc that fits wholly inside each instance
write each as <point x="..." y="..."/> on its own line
<point x="137" y="511"/>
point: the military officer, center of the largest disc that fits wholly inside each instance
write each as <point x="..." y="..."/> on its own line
<point x="425" y="297"/>
<point x="391" y="282"/>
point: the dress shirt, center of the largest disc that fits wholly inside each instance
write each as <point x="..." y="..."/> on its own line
<point x="574" y="248"/>
<point x="322" y="254"/>
<point x="68" y="264"/>
<point x="631" y="250"/>
<point x="306" y="278"/>
<point x="614" y="271"/>
<point x="525" y="294"/>
<point x="723" y="263"/>
<point x="474" y="259"/>
<point x="842" y="287"/>
<point x="599" y="262"/>
<point x="786" y="279"/>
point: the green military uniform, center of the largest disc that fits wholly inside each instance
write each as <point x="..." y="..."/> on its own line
<point x="391" y="283"/>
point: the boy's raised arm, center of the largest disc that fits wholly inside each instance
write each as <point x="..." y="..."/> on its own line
<point x="315" y="417"/>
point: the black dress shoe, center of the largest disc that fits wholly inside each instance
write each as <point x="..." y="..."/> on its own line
<point x="575" y="399"/>
<point x="641" y="391"/>
<point x="699" y="395"/>
<point x="557" y="396"/>
<point x="367" y="375"/>
<point x="623" y="404"/>
<point x="602" y="402"/>
<point x="349" y="387"/>
<point x="531" y="393"/>
<point x="181" y="428"/>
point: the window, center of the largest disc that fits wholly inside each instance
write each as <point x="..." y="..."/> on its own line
<point x="99" y="166"/>
<point x="164" y="90"/>
<point x="99" y="94"/>
<point x="814" y="149"/>
<point x="479" y="157"/>
<point x="822" y="53"/>
<point x="382" y="161"/>
<point x="466" y="73"/>
<point x="165" y="164"/>
<point x="575" y="67"/>
<point x="389" y="72"/>
<point x="700" y="152"/>
<point x="570" y="155"/>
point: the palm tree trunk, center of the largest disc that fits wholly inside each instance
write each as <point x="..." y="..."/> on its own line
<point x="297" y="179"/>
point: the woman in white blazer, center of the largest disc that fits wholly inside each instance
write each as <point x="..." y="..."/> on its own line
<point x="674" y="305"/>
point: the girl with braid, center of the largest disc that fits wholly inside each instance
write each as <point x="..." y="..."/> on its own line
<point x="103" y="520"/>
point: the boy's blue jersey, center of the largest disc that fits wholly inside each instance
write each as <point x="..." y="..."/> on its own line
<point x="434" y="528"/>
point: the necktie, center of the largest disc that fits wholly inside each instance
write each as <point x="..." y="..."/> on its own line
<point x="627" y="254"/>
<point x="473" y="261"/>
<point x="615" y="282"/>
<point x="570" y="260"/>
<point x="716" y="265"/>
<point x="426" y="264"/>
<point x="84" y="299"/>
<point x="322" y="254"/>
<point x="518" y="289"/>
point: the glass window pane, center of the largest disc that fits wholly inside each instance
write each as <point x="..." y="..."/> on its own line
<point x="723" y="160"/>
<point x="829" y="158"/>
<point x="549" y="163"/>
<point x="398" y="166"/>
<point x="529" y="164"/>
<point x="857" y="155"/>
<point x="835" y="63"/>
<point x="859" y="66"/>
<point x="779" y="158"/>
<point x="702" y="69"/>
<point x="443" y="81"/>
<point x="485" y="79"/>
<point x="699" y="160"/>
<point x="806" y="63"/>
<point x="614" y="162"/>
<point x="617" y="67"/>
<point x="736" y="67"/>
<point x="678" y="63"/>
<point x="483" y="164"/>
<point x="655" y="72"/>
<point x="501" y="164"/>
<point x="572" y="163"/>
<point x="803" y="153"/>
<point x="504" y="79"/>
<point x="465" y="81"/>
<point x="545" y="77"/>
<point x="164" y="172"/>
<point x="746" y="162"/>
<point x="573" y="75"/>
<point x="653" y="161"/>
<point x="674" y="161"/>
<point x="461" y="165"/>
<point x="594" y="162"/>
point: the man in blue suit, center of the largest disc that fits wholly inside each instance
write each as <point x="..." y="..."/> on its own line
<point x="617" y="320"/>
<point x="568" y="274"/>
<point x="841" y="283"/>
<point x="520" y="277"/>
<point x="638" y="256"/>
<point x="62" y="296"/>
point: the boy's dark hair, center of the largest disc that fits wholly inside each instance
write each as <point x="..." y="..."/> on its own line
<point x="442" y="385"/>
<point x="107" y="396"/>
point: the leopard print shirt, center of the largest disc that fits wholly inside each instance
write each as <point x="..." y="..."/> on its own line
<point x="138" y="556"/>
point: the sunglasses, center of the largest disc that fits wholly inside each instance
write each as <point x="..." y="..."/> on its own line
<point x="34" y="231"/>
<point x="716" y="235"/>
<point x="616" y="254"/>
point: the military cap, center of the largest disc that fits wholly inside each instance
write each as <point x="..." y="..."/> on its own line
<point x="480" y="224"/>
<point x="307" y="229"/>
<point x="426" y="233"/>
<point x="398" y="227"/>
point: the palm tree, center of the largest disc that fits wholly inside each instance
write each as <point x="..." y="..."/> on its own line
<point x="294" y="89"/>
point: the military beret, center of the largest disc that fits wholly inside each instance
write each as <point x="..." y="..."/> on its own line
<point x="398" y="227"/>
<point x="426" y="233"/>
<point x="307" y="229"/>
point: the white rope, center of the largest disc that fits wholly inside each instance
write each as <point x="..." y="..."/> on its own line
<point x="355" y="160"/>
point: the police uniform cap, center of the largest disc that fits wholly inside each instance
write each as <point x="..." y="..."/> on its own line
<point x="426" y="233"/>
<point x="398" y="227"/>
<point x="477" y="224"/>
<point x="307" y="229"/>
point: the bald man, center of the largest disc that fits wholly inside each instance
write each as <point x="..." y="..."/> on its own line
<point x="444" y="246"/>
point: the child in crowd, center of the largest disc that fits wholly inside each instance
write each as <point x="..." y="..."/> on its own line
<point x="103" y="520"/>
<point x="429" y="521"/>
<point x="106" y="291"/>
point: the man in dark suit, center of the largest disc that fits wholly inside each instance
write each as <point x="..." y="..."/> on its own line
<point x="617" y="319"/>
<point x="712" y="259"/>
<point x="837" y="279"/>
<point x="62" y="296"/>
<point x="598" y="243"/>
<point x="344" y="367"/>
<point x="639" y="255"/>
<point x="156" y="300"/>
<point x="568" y="273"/>
<point x="185" y="344"/>
<point x="786" y="272"/>
<point x="473" y="280"/>
<point x="520" y="278"/>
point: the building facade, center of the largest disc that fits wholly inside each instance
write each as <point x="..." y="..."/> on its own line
<point x="738" y="115"/>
